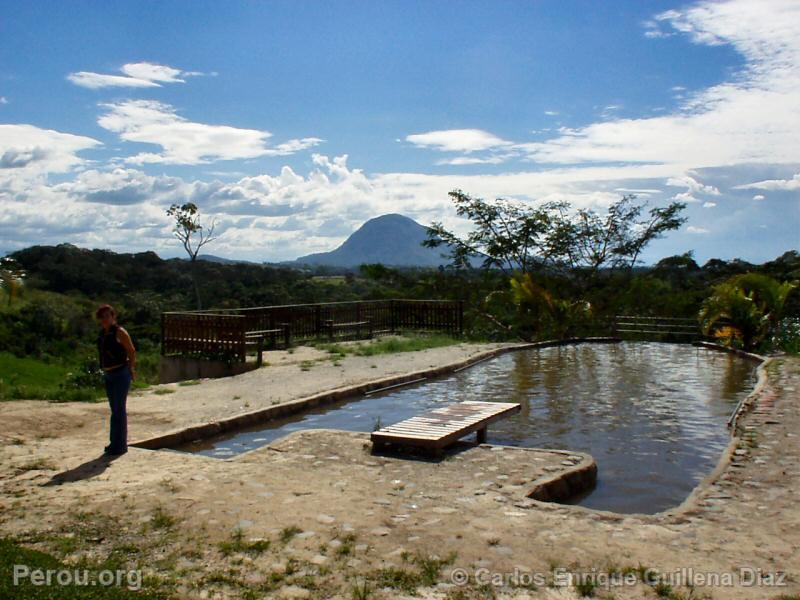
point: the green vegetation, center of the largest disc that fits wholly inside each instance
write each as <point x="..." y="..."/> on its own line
<point x="161" y="519"/>
<point x="390" y="345"/>
<point x="238" y="545"/>
<point x="427" y="572"/>
<point x="287" y="533"/>
<point x="746" y="309"/>
<point x="548" y="272"/>
<point x="11" y="553"/>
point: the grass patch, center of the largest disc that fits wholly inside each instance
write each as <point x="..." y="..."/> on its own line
<point x="35" y="379"/>
<point x="391" y="345"/>
<point x="38" y="464"/>
<point x="238" y="545"/>
<point x="162" y="519"/>
<point x="426" y="574"/>
<point x="348" y="545"/>
<point x="586" y="587"/>
<point x="11" y="553"/>
<point x="287" y="533"/>
<point x="189" y="382"/>
<point x="72" y="376"/>
<point x="164" y="391"/>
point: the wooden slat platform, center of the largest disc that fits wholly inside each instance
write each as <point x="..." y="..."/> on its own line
<point x="443" y="426"/>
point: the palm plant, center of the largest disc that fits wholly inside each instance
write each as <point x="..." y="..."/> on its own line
<point x="536" y="305"/>
<point x="744" y="310"/>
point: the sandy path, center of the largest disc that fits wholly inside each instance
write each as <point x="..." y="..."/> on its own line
<point x="336" y="493"/>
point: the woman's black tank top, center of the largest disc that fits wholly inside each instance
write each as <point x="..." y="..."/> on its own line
<point x="112" y="353"/>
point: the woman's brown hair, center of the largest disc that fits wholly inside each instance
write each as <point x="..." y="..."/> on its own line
<point x="106" y="308"/>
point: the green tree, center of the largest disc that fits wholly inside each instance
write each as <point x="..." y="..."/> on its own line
<point x="12" y="277"/>
<point x="745" y="309"/>
<point x="512" y="236"/>
<point x="506" y="235"/>
<point x="523" y="241"/>
<point x="589" y="241"/>
<point x="191" y="235"/>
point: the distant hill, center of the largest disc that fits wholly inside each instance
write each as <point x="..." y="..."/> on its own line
<point x="222" y="260"/>
<point x="392" y="240"/>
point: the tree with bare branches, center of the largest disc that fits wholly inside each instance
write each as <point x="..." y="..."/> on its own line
<point x="192" y="235"/>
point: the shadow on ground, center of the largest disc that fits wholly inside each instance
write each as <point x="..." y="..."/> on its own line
<point x="87" y="470"/>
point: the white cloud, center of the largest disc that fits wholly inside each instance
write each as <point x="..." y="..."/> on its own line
<point x="551" y="113"/>
<point x="121" y="186"/>
<point x="685" y="197"/>
<point x="187" y="142"/>
<point x="709" y="204"/>
<point x="3" y="100"/>
<point x="693" y="187"/>
<point x="28" y="152"/>
<point x="457" y="140"/>
<point x="135" y="75"/>
<point x="153" y="72"/>
<point x="773" y="184"/>
<point x="697" y="230"/>
<point x="472" y="160"/>
<point x="638" y="191"/>
<point x="752" y="118"/>
<point x="759" y="197"/>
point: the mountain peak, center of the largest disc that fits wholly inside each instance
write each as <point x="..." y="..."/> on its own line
<point x="392" y="239"/>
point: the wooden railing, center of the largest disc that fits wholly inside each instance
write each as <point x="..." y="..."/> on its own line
<point x="222" y="333"/>
<point x="657" y="328"/>
<point x="204" y="335"/>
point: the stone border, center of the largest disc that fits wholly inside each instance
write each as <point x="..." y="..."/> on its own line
<point x="736" y="351"/>
<point x="566" y="484"/>
<point x="262" y="415"/>
<point x="691" y="501"/>
<point x="547" y="490"/>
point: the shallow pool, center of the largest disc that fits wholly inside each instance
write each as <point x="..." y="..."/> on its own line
<point x="652" y="415"/>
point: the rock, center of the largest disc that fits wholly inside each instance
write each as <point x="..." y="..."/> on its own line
<point x="293" y="591"/>
<point x="319" y="559"/>
<point x="380" y="531"/>
<point x="326" y="519"/>
<point x="304" y="535"/>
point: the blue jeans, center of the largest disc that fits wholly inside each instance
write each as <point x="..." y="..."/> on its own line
<point x="117" y="385"/>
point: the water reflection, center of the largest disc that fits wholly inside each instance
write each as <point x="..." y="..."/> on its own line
<point x="652" y="415"/>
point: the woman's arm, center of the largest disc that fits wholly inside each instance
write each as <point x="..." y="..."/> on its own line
<point x="125" y="339"/>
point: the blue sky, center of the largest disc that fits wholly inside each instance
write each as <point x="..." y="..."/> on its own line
<point x="292" y="123"/>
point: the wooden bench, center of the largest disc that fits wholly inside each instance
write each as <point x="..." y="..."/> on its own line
<point x="256" y="338"/>
<point x="330" y="327"/>
<point x="435" y="430"/>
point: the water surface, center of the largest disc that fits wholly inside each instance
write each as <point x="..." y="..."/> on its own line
<point x="652" y="415"/>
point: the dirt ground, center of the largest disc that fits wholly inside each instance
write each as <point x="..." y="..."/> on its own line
<point x="315" y="514"/>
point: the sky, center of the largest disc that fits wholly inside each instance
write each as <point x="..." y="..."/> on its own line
<point x="291" y="123"/>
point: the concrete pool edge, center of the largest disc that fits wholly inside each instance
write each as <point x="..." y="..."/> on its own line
<point x="204" y="430"/>
<point x="570" y="481"/>
<point x="549" y="491"/>
<point x="691" y="503"/>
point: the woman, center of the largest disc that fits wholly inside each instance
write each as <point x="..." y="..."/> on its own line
<point x="118" y="361"/>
